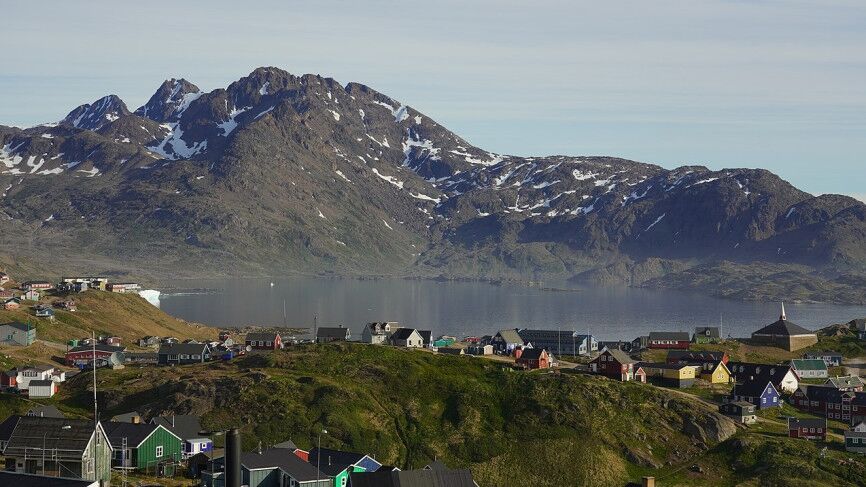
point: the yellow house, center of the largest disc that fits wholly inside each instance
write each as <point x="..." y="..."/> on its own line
<point x="673" y="375"/>
<point x="716" y="373"/>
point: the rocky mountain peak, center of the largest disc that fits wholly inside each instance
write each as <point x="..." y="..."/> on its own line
<point x="96" y="115"/>
<point x="169" y="101"/>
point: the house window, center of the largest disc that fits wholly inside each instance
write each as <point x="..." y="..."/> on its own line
<point x="819" y="430"/>
<point x="196" y="357"/>
<point x="775" y="399"/>
<point x="268" y="344"/>
<point x="159" y="451"/>
<point x="184" y="356"/>
<point x="343" y="481"/>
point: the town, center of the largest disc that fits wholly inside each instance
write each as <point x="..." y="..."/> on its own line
<point x="822" y="395"/>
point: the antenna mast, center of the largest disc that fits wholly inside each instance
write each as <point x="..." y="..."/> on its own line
<point x="95" y="408"/>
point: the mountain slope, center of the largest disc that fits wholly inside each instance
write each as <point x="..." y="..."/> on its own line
<point x="278" y="173"/>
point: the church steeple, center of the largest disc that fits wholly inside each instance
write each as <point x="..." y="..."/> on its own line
<point x="783" y="317"/>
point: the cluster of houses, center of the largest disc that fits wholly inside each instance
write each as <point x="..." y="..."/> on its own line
<point x="39" y="381"/>
<point x="11" y="299"/>
<point x="45" y="444"/>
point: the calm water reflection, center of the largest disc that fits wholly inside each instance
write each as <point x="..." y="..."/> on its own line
<point x="461" y="308"/>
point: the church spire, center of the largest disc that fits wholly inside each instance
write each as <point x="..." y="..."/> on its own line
<point x="783" y="317"/>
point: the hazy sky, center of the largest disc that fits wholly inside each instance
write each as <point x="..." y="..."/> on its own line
<point x="764" y="83"/>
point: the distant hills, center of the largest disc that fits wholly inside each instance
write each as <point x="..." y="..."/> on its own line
<point x="278" y="174"/>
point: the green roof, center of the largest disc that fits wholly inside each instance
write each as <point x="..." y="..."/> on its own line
<point x="809" y="364"/>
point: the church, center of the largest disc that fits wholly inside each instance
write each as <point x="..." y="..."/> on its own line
<point x="784" y="334"/>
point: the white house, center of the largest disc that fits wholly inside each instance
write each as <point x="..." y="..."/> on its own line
<point x="378" y="333"/>
<point x="406" y="337"/>
<point x="39" y="372"/>
<point x="42" y="388"/>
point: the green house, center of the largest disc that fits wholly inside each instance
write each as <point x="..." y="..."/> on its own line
<point x="340" y="464"/>
<point x="145" y="447"/>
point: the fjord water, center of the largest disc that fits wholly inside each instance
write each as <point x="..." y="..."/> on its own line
<point x="476" y="308"/>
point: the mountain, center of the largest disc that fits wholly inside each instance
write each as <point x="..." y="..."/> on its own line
<point x="278" y="173"/>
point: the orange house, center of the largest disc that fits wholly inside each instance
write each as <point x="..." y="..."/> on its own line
<point x="12" y="303"/>
<point x="534" y="358"/>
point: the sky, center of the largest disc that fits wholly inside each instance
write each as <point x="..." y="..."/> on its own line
<point x="774" y="84"/>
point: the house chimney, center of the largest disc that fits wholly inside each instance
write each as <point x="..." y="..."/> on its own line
<point x="649" y="482"/>
<point x="233" y="458"/>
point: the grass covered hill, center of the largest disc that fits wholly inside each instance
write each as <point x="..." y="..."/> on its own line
<point x="128" y="316"/>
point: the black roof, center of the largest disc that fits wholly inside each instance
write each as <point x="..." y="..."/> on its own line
<point x="531" y="353"/>
<point x="694" y="356"/>
<point x="402" y="333"/>
<point x="183" y="348"/>
<point x="134" y="433"/>
<point x="338" y="332"/>
<point x="807" y="422"/>
<point x="41" y="382"/>
<point x="750" y="389"/>
<point x="31" y="480"/>
<point x="749" y="372"/>
<point x="662" y="365"/>
<point x="413" y="478"/>
<point x="70" y="436"/>
<point x="184" y="425"/>
<point x="8" y="426"/>
<point x="334" y="461"/>
<point x="783" y="327"/>
<point x="282" y="458"/>
<point x="823" y="392"/>
<point x="426" y="335"/>
<point x="680" y="336"/>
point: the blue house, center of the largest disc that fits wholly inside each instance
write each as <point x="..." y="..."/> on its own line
<point x="761" y="394"/>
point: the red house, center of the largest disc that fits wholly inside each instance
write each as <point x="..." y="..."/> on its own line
<point x="264" y="341"/>
<point x="808" y="428"/>
<point x="616" y="364"/>
<point x="9" y="379"/>
<point x="83" y="356"/>
<point x="534" y="358"/>
<point x="302" y="454"/>
<point x="678" y="340"/>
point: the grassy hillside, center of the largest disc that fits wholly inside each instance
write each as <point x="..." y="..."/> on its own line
<point x="125" y="315"/>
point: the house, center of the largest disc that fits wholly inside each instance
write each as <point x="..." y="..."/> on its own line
<point x="740" y="411"/>
<point x="68" y="305"/>
<point x="340" y="464"/>
<point x="849" y="383"/>
<point x="810" y="368"/>
<point x="78" y="448"/>
<point x="43" y="312"/>
<point x="832" y="359"/>
<point x="36" y="286"/>
<point x="783" y="377"/>
<point x="264" y="341"/>
<point x="406" y="337"/>
<point x="665" y="340"/>
<point x="785" y="334"/>
<point x="17" y="333"/>
<point x="377" y="333"/>
<point x="4" y="278"/>
<point x="424" y="477"/>
<point x="183" y="353"/>
<point x="451" y="350"/>
<point x="561" y="342"/>
<point x="670" y="375"/>
<point x="859" y="326"/>
<point x="31" y="295"/>
<point x="325" y="334"/>
<point x="4" y="295"/>
<point x="41" y="388"/>
<point x="141" y="358"/>
<point x="828" y="401"/>
<point x="808" y="428"/>
<point x="717" y="373"/>
<point x="12" y="304"/>
<point x="706" y="334"/>
<point x="855" y="438"/>
<point x="83" y="356"/>
<point x="762" y="394"/>
<point x="188" y="428"/>
<point x="142" y="446"/>
<point x="148" y="341"/>
<point x="123" y="287"/>
<point x="615" y="364"/>
<point x="114" y="341"/>
<point x="480" y="349"/>
<point x="44" y="412"/>
<point x="506" y="341"/>
<point x="24" y="376"/>
<point x="534" y="358"/>
<point x="273" y="467"/>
